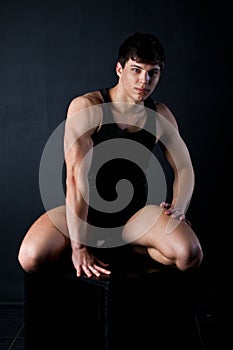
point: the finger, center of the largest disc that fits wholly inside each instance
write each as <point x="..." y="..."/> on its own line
<point x="102" y="270"/>
<point x="94" y="271"/>
<point x="168" y="212"/>
<point x="165" y="205"/>
<point x="177" y="216"/>
<point x="86" y="271"/>
<point x="78" y="271"/>
<point x="101" y="262"/>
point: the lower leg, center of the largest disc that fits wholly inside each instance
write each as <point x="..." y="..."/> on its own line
<point x="157" y="256"/>
<point x="153" y="253"/>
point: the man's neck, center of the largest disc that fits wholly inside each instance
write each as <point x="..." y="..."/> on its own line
<point x="117" y="94"/>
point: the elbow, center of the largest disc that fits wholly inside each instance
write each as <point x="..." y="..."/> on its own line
<point x="76" y="190"/>
<point x="71" y="177"/>
<point x="71" y="181"/>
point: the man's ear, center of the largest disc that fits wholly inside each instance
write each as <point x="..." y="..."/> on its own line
<point x="118" y="69"/>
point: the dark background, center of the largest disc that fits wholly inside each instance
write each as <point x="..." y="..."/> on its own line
<point x="52" y="51"/>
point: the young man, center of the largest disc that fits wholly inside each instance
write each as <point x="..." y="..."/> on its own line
<point x="120" y="118"/>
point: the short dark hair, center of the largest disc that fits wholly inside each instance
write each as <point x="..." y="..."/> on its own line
<point x="142" y="48"/>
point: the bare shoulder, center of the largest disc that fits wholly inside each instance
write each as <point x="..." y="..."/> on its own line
<point x="84" y="101"/>
<point x="82" y="120"/>
<point x="163" y="109"/>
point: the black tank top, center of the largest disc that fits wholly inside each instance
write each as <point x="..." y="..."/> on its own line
<point x="116" y="168"/>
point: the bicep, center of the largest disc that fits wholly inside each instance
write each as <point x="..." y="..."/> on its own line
<point x="172" y="143"/>
<point x="82" y="120"/>
<point x="78" y="157"/>
<point x="174" y="147"/>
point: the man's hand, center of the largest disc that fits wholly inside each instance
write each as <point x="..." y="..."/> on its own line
<point x="174" y="212"/>
<point x="85" y="262"/>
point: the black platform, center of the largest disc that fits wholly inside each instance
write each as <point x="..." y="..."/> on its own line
<point x="142" y="307"/>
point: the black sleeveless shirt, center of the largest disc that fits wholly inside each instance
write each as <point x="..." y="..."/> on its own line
<point x="116" y="164"/>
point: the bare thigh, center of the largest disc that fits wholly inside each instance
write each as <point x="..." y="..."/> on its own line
<point x="47" y="237"/>
<point x="152" y="228"/>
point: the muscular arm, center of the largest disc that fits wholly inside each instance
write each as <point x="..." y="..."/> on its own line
<point x="82" y="120"/>
<point x="178" y="157"/>
<point x="77" y="187"/>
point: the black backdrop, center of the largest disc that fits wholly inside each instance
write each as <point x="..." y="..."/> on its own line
<point x="51" y="51"/>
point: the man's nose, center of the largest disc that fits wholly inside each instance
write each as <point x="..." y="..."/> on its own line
<point x="145" y="77"/>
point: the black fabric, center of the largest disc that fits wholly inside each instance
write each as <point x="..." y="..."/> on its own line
<point x="116" y="169"/>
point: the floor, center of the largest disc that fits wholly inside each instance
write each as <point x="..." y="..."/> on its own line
<point x="11" y="326"/>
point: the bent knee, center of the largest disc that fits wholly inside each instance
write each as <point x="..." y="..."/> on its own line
<point x="189" y="258"/>
<point x="28" y="259"/>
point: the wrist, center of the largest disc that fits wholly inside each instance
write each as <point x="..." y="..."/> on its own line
<point x="76" y="245"/>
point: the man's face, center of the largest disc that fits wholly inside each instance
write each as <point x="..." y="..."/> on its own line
<point x="138" y="80"/>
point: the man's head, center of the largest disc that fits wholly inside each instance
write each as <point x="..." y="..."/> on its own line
<point x="142" y="48"/>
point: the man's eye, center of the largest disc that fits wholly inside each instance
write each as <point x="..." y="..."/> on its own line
<point x="136" y="70"/>
<point x="153" y="73"/>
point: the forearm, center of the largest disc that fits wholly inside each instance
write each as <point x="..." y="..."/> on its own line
<point x="76" y="214"/>
<point x="179" y="158"/>
<point x="183" y="187"/>
<point x="83" y="259"/>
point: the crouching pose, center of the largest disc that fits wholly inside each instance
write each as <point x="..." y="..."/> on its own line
<point x="119" y="127"/>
